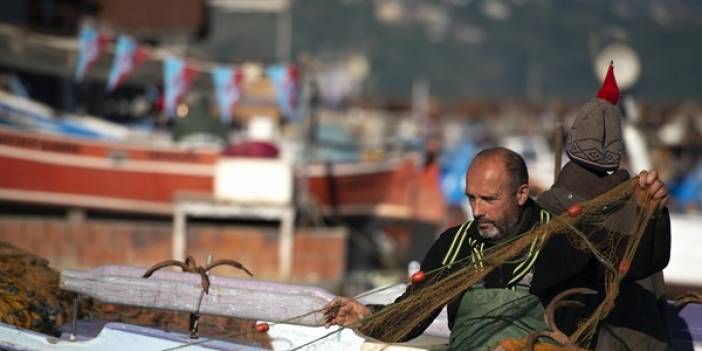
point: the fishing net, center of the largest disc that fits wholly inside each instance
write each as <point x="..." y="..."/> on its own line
<point x="30" y="298"/>
<point x="29" y="293"/>
<point x="614" y="248"/>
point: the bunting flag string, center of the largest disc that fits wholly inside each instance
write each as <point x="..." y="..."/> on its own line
<point x="128" y="57"/>
<point x="228" y="83"/>
<point x="286" y="82"/>
<point x="179" y="73"/>
<point x="90" y="45"/>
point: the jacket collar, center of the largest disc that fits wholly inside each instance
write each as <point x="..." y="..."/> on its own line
<point x="586" y="183"/>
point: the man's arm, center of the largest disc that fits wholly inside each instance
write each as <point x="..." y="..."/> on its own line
<point x="652" y="255"/>
<point x="653" y="252"/>
<point x="347" y="311"/>
<point x="344" y="311"/>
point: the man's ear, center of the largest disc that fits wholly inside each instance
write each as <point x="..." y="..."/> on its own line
<point x="522" y="194"/>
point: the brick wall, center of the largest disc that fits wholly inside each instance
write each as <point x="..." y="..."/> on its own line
<point x="319" y="256"/>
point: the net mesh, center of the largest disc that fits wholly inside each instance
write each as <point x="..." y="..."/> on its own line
<point x="30" y="298"/>
<point x="29" y="293"/>
<point x="614" y="251"/>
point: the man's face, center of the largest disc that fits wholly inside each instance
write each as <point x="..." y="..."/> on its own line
<point x="496" y="205"/>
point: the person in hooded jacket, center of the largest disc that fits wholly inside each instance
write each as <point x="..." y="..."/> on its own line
<point x="639" y="319"/>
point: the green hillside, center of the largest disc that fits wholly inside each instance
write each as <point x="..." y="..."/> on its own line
<point x="542" y="48"/>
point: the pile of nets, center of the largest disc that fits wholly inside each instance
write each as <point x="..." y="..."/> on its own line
<point x="29" y="293"/>
<point x="30" y="298"/>
<point x="614" y="251"/>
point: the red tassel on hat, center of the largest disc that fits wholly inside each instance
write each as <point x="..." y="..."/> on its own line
<point x="609" y="90"/>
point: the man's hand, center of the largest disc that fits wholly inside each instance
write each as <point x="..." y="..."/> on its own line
<point x="344" y="311"/>
<point x="652" y="186"/>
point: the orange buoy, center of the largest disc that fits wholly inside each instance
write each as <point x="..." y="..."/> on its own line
<point x="418" y="277"/>
<point x="262" y="327"/>
<point x="575" y="210"/>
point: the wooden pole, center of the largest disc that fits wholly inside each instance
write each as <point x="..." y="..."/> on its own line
<point x="558" y="149"/>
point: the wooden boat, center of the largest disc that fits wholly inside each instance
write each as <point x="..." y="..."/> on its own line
<point x="68" y="171"/>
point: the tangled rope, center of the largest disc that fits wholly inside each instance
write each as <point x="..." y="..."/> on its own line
<point x="615" y="251"/>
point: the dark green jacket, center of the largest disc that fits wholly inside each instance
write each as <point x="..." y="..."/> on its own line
<point x="462" y="251"/>
<point x="639" y="319"/>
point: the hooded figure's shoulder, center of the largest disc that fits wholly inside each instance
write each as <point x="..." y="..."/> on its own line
<point x="556" y="200"/>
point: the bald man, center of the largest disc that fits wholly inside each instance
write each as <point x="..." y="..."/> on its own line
<point x="502" y="305"/>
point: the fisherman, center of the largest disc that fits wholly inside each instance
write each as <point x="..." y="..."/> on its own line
<point x="639" y="319"/>
<point x="503" y="305"/>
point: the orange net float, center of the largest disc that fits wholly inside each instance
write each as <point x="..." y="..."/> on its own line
<point x="575" y="210"/>
<point x="262" y="327"/>
<point x="418" y="277"/>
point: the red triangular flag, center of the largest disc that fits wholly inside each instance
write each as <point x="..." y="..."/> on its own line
<point x="609" y="90"/>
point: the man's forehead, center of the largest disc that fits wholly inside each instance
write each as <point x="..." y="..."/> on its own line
<point x="487" y="169"/>
<point x="482" y="192"/>
<point x="487" y="178"/>
<point x="485" y="187"/>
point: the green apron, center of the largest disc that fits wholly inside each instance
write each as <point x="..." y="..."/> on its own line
<point x="487" y="316"/>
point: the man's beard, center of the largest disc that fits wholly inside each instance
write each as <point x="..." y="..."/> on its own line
<point x="492" y="233"/>
<point x="497" y="232"/>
